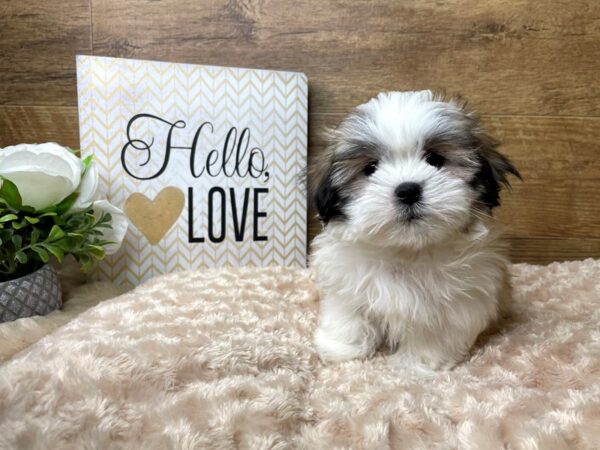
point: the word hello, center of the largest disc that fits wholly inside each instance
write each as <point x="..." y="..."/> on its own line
<point x="235" y="159"/>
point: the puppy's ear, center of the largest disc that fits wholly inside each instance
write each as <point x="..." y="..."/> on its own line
<point x="327" y="200"/>
<point x="493" y="171"/>
<point x="326" y="195"/>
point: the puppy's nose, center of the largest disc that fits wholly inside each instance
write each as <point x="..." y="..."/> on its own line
<point x="408" y="193"/>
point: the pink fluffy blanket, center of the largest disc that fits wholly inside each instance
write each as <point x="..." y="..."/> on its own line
<point x="223" y="359"/>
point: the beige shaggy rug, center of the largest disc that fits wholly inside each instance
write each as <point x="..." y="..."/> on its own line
<point x="77" y="298"/>
<point x="223" y="359"/>
<point x="20" y="334"/>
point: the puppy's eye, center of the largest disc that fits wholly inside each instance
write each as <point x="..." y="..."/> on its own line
<point x="435" y="159"/>
<point x="370" y="168"/>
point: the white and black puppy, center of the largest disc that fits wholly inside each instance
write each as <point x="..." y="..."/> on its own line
<point x="409" y="254"/>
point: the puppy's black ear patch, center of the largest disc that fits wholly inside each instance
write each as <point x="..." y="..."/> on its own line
<point x="327" y="198"/>
<point x="494" y="169"/>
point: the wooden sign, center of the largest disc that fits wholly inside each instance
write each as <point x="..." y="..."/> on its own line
<point x="207" y="162"/>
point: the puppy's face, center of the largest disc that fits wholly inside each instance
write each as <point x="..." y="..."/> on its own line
<point x="408" y="169"/>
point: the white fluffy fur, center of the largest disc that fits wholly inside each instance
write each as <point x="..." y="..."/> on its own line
<point x="428" y="287"/>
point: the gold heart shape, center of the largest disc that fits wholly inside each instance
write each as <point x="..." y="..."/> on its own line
<point x="155" y="217"/>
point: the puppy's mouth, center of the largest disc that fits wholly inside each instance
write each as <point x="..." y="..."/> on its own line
<point x="412" y="218"/>
<point x="412" y="215"/>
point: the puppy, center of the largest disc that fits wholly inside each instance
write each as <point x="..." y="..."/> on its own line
<point x="409" y="253"/>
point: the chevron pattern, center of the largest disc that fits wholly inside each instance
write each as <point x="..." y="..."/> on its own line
<point x="273" y="105"/>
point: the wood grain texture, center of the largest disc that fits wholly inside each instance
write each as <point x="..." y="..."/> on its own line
<point x="38" y="43"/>
<point x="34" y="124"/>
<point x="546" y="250"/>
<point x="560" y="164"/>
<point x="497" y="53"/>
<point x="530" y="67"/>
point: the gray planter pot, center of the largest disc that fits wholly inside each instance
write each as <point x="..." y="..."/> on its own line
<point x="35" y="294"/>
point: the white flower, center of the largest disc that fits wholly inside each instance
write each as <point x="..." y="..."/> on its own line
<point x="88" y="190"/>
<point x="118" y="223"/>
<point x="44" y="173"/>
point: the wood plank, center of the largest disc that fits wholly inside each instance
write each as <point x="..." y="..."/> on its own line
<point x="546" y="250"/>
<point x="37" y="56"/>
<point x="507" y="57"/>
<point x="558" y="158"/>
<point x="560" y="164"/>
<point x="36" y="124"/>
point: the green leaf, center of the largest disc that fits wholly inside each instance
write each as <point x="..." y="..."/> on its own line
<point x="47" y="214"/>
<point x="84" y="260"/>
<point x="19" y="225"/>
<point x="55" y="250"/>
<point x="32" y="220"/>
<point x="87" y="162"/>
<point x="35" y="235"/>
<point x="10" y="194"/>
<point x="55" y="233"/>
<point x="43" y="254"/>
<point x="66" y="245"/>
<point x="66" y="203"/>
<point x="8" y="218"/>
<point x="17" y="241"/>
<point x="96" y="251"/>
<point x="21" y="257"/>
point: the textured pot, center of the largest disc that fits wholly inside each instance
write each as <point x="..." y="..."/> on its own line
<point x="35" y="294"/>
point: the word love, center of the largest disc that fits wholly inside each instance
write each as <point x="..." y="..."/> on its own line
<point x="234" y="159"/>
<point x="219" y="200"/>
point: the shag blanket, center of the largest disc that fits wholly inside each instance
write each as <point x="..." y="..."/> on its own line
<point x="20" y="334"/>
<point x="223" y="359"/>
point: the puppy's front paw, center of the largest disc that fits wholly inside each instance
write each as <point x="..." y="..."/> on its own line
<point x="332" y="349"/>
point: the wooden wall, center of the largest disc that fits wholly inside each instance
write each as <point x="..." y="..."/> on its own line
<point x="532" y="68"/>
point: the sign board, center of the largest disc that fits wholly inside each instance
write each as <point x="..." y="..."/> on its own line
<point x="207" y="162"/>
